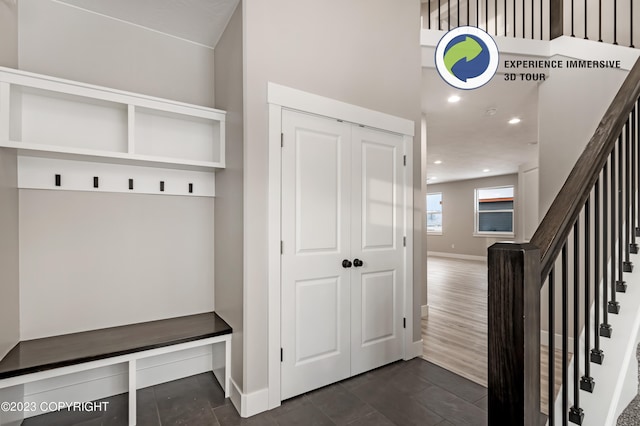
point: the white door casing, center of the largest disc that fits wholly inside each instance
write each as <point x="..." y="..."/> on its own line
<point x="528" y="199"/>
<point x="279" y="99"/>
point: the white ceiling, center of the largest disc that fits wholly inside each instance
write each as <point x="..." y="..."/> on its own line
<point x="466" y="139"/>
<point x="199" y="21"/>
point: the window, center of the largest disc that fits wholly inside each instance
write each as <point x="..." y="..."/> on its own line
<point x="434" y="213"/>
<point x="494" y="211"/>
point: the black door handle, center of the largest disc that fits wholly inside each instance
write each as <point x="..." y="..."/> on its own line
<point x="357" y="263"/>
<point x="346" y="263"/>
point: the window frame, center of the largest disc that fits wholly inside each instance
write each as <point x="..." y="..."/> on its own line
<point x="476" y="214"/>
<point x="441" y="212"/>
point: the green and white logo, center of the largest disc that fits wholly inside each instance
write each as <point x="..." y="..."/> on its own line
<point x="467" y="57"/>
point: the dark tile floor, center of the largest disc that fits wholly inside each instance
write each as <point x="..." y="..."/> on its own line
<point x="414" y="392"/>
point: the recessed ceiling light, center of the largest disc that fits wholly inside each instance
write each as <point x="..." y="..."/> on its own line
<point x="437" y="162"/>
<point x="514" y="120"/>
<point x="486" y="170"/>
<point x="491" y="112"/>
<point x="453" y="99"/>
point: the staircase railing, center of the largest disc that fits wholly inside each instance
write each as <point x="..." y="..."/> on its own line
<point x="581" y="260"/>
<point x="610" y="21"/>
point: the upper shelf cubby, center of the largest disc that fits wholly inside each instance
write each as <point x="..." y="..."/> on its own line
<point x="45" y="114"/>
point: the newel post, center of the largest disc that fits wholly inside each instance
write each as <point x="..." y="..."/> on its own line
<point x="514" y="334"/>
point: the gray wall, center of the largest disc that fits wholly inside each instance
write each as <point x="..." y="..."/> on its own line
<point x="8" y="34"/>
<point x="228" y="209"/>
<point x="458" y="216"/>
<point x="117" y="258"/>
<point x="571" y="103"/>
<point x="90" y="260"/>
<point x="9" y="278"/>
<point x="364" y="52"/>
<point x="63" y="41"/>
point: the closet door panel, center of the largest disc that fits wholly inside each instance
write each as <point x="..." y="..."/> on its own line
<point x="315" y="311"/>
<point x="376" y="241"/>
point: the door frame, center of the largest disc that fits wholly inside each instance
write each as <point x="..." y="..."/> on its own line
<point x="279" y="97"/>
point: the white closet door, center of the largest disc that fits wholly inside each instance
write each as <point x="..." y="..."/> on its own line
<point x="377" y="241"/>
<point x="316" y="159"/>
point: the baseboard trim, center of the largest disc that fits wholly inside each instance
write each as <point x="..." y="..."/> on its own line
<point x="456" y="256"/>
<point x="249" y="404"/>
<point x="424" y="311"/>
<point x="415" y="350"/>
<point x="235" y="394"/>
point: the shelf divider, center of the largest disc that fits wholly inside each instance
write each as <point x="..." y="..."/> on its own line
<point x="131" y="139"/>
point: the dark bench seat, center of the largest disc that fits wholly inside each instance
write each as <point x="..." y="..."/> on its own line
<point x="33" y="360"/>
<point x="48" y="353"/>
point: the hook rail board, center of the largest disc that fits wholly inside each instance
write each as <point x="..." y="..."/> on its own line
<point x="71" y="175"/>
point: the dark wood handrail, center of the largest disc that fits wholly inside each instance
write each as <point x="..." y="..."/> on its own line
<point x="557" y="224"/>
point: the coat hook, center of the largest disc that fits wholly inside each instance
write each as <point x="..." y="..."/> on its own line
<point x="190" y="188"/>
<point x="130" y="183"/>
<point x="95" y="182"/>
<point x="161" y="186"/>
<point x="58" y="180"/>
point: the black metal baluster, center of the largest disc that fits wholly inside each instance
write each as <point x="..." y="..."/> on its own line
<point x="633" y="247"/>
<point x="458" y="15"/>
<point x="523" y="19"/>
<point x="597" y="355"/>
<point x="486" y="15"/>
<point x="636" y="136"/>
<point x="575" y="413"/>
<point x="586" y="37"/>
<point x="505" y="18"/>
<point x="615" y="22"/>
<point x="468" y="7"/>
<point x="532" y="22"/>
<point x="514" y="20"/>
<point x="565" y="336"/>
<point x="587" y="383"/>
<point x="627" y="266"/>
<point x="572" y="15"/>
<point x="478" y="13"/>
<point x="605" y="327"/>
<point x="600" y="21"/>
<point x="621" y="286"/>
<point x="429" y="14"/>
<point x="552" y="348"/>
<point x="631" y="24"/>
<point x="541" y="27"/>
<point x="448" y="15"/>
<point x="613" y="306"/>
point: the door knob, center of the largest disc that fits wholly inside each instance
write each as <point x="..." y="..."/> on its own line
<point x="346" y="263"/>
<point x="357" y="263"/>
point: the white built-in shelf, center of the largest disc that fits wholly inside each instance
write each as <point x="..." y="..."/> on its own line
<point x="47" y="116"/>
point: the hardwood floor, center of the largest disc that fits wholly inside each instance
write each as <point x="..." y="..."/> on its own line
<point x="455" y="332"/>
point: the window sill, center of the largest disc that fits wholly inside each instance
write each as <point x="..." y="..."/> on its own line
<point x="433" y="233"/>
<point x="493" y="235"/>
